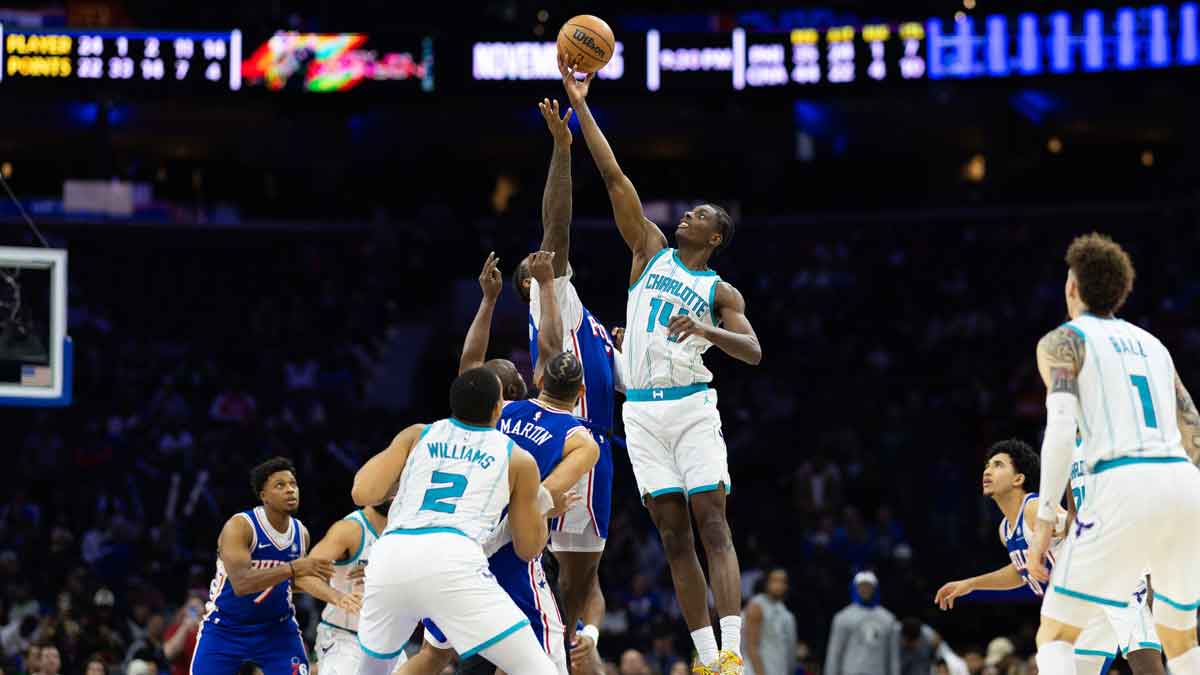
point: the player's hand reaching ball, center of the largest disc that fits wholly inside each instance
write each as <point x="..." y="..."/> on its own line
<point x="541" y="267"/>
<point x="683" y="326"/>
<point x="577" y="90"/>
<point x="559" y="128"/>
<point x="312" y="567"/>
<point x="489" y="279"/>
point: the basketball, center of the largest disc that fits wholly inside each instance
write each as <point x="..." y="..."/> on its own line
<point x="587" y="42"/>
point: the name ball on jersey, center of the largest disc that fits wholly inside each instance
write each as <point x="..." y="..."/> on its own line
<point x="586" y="41"/>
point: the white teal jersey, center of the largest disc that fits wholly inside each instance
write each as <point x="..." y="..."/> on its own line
<point x="455" y="480"/>
<point x="1126" y="394"/>
<point x="340" y="581"/>
<point x="667" y="289"/>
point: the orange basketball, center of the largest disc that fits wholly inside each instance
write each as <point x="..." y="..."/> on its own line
<point x="587" y="42"/>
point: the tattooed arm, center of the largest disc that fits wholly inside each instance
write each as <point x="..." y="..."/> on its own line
<point x="1189" y="420"/>
<point x="1059" y="357"/>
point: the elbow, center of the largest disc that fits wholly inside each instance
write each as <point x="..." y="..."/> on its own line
<point x="361" y="496"/>
<point x="754" y="357"/>
<point x="239" y="589"/>
<point x="527" y="550"/>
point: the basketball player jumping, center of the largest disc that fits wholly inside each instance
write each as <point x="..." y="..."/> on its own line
<point x="676" y="309"/>
<point x="1116" y="384"/>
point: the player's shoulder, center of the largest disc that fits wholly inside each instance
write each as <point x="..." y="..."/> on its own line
<point x="1066" y="343"/>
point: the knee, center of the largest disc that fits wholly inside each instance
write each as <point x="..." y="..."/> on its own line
<point x="1176" y="642"/>
<point x="676" y="539"/>
<point x="714" y="532"/>
<point x="1054" y="631"/>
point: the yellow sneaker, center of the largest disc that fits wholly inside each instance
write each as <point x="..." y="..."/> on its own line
<point x="729" y="664"/>
<point x="702" y="669"/>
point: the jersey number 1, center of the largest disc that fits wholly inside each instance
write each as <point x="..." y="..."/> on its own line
<point x="1143" y="387"/>
<point x="455" y="484"/>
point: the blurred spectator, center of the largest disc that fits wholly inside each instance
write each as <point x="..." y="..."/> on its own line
<point x="633" y="663"/>
<point x="918" y="644"/>
<point x="769" y="644"/>
<point x="1002" y="658"/>
<point x="864" y="638"/>
<point x="51" y="661"/>
<point x="180" y="636"/>
<point x="662" y="651"/>
<point x="95" y="666"/>
<point x="679" y="668"/>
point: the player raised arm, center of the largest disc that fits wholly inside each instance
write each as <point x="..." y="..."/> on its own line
<point x="736" y="339"/>
<point x="557" y="197"/>
<point x="1189" y="420"/>
<point x="342" y="538"/>
<point x="476" y="343"/>
<point x="377" y="479"/>
<point x="233" y="547"/>
<point x="642" y="236"/>
<point x="550" y="328"/>
<point x="1059" y="357"/>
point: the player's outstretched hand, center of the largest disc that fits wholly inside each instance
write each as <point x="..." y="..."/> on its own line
<point x="947" y="594"/>
<point x="350" y="602"/>
<point x="563" y="502"/>
<point x="618" y="337"/>
<point x="559" y="128"/>
<point x="682" y="326"/>
<point x="541" y="267"/>
<point x="584" y="658"/>
<point x="577" y="90"/>
<point x="489" y="279"/>
<point x="313" y="567"/>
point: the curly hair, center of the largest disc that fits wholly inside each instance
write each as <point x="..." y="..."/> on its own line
<point x="563" y="376"/>
<point x="1103" y="271"/>
<point x="1025" y="460"/>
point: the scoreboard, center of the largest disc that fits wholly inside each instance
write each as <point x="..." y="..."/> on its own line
<point x="206" y="60"/>
<point x="965" y="47"/>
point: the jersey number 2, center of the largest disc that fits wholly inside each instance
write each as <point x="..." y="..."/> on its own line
<point x="450" y="486"/>
<point x="1143" y="387"/>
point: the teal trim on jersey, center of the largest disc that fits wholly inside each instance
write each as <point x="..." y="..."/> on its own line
<point x="712" y="302"/>
<point x="488" y="643"/>
<point x="428" y="530"/>
<point x="1177" y="605"/>
<point x="1075" y="329"/>
<point x="362" y="541"/>
<point x="708" y="488"/>
<point x="510" y="447"/>
<point x="380" y="655"/>
<point x="649" y="264"/>
<point x="1095" y="652"/>
<point x="1093" y="598"/>
<point x="468" y="427"/>
<point x="1106" y="464"/>
<point x="664" y="393"/>
<point x="705" y="273"/>
<point x="1144" y="645"/>
<point x="666" y="491"/>
<point x="323" y="622"/>
<point x="367" y="521"/>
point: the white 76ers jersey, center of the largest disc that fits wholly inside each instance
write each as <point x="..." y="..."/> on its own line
<point x="456" y="480"/>
<point x="667" y="289"/>
<point x="1126" y="393"/>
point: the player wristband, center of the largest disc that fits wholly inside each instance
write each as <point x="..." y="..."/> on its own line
<point x="592" y="632"/>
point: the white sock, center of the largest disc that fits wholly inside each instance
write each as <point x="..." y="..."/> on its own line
<point x="731" y="634"/>
<point x="1056" y="658"/>
<point x="706" y="645"/>
<point x="1186" y="664"/>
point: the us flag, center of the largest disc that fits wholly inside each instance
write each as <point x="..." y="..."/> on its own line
<point x="35" y="376"/>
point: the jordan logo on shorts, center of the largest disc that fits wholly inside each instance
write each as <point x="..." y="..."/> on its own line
<point x="1081" y="527"/>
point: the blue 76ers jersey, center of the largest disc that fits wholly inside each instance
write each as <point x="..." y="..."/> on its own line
<point x="540" y="430"/>
<point x="268" y="548"/>
<point x="587" y="339"/>
<point x="1018" y="547"/>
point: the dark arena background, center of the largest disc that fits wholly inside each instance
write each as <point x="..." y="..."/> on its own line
<point x="275" y="214"/>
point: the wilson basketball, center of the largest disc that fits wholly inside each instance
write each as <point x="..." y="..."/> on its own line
<point x="587" y="42"/>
